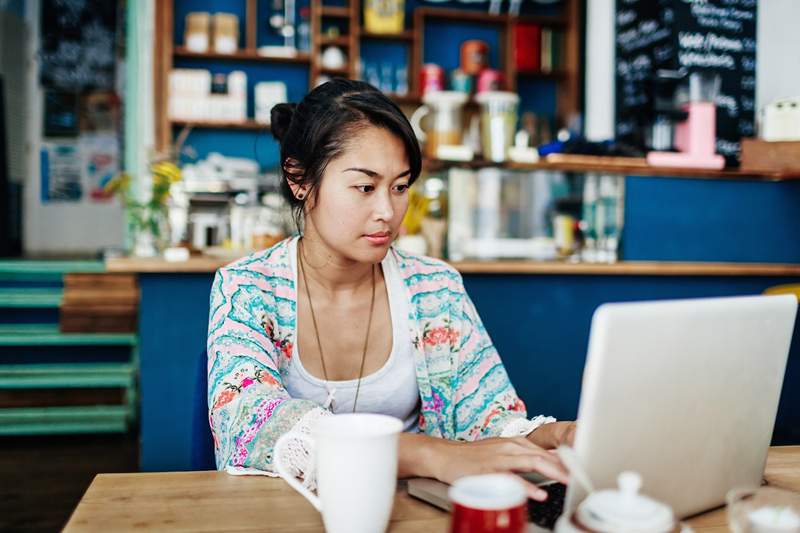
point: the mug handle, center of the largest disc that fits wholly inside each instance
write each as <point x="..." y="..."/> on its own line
<point x="286" y="474"/>
<point x="416" y="122"/>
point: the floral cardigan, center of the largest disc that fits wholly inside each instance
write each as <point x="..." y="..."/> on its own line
<point x="464" y="388"/>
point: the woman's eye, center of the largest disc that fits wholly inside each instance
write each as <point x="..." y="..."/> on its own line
<point x="403" y="187"/>
<point x="365" y="188"/>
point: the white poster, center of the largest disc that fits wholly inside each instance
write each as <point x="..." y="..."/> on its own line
<point x="61" y="172"/>
<point x="100" y="153"/>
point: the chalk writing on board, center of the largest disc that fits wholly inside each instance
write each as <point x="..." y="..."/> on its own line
<point x="717" y="36"/>
<point x="78" y="44"/>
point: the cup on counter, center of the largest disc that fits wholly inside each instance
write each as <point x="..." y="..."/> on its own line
<point x="498" y="120"/>
<point x="356" y="468"/>
<point x="763" y="510"/>
<point x="489" y="503"/>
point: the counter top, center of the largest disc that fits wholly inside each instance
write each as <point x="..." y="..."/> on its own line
<point x="622" y="268"/>
<point x="626" y="166"/>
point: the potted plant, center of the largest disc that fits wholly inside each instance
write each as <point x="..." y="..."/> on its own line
<point x="146" y="220"/>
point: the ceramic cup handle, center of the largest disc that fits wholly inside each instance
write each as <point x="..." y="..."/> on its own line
<point x="279" y="454"/>
<point x="416" y="122"/>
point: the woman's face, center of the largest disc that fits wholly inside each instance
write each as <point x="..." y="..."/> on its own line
<point x="363" y="196"/>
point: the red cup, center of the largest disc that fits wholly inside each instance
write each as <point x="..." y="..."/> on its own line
<point x="491" y="503"/>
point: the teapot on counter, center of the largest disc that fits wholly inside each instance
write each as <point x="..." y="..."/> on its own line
<point x="621" y="510"/>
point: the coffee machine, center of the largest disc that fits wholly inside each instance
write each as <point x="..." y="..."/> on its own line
<point x="695" y="135"/>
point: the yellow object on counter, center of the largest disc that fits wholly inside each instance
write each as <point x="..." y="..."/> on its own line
<point x="384" y="16"/>
<point x="417" y="209"/>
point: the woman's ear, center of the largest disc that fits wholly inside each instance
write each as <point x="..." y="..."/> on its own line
<point x="298" y="191"/>
<point x="294" y="176"/>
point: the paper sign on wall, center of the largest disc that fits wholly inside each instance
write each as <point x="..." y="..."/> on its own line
<point x="61" y="172"/>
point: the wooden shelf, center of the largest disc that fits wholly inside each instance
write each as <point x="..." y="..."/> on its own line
<point x="462" y="15"/>
<point x="335" y="11"/>
<point x="404" y="36"/>
<point x="623" y="268"/>
<point x="627" y="268"/>
<point x="221" y="124"/>
<point x="242" y="55"/>
<point x="341" y="40"/>
<point x="637" y="167"/>
<point x="344" y="71"/>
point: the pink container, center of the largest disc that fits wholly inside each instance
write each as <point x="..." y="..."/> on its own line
<point x="431" y="78"/>
<point x="490" y="80"/>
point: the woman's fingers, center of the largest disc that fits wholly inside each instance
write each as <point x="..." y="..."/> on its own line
<point x="534" y="492"/>
<point x="542" y="463"/>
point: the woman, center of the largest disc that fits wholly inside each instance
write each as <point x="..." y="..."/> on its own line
<point x="340" y="321"/>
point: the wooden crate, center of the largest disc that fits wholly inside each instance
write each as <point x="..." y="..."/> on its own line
<point x="99" y="303"/>
<point x="774" y="156"/>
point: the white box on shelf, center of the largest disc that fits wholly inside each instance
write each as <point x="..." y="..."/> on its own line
<point x="267" y="95"/>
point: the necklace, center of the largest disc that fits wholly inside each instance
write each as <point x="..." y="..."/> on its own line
<point x="332" y="392"/>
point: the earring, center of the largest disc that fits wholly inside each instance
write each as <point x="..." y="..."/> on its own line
<point x="300" y="196"/>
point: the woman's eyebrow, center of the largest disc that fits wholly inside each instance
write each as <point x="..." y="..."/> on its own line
<point x="373" y="174"/>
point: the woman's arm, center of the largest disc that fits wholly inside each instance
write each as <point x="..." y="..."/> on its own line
<point x="249" y="409"/>
<point x="424" y="456"/>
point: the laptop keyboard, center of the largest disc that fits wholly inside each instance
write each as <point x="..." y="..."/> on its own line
<point x="544" y="514"/>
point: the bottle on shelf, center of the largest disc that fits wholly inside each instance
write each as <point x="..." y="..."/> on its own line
<point x="304" y="31"/>
<point x="588" y="219"/>
<point x="608" y="217"/>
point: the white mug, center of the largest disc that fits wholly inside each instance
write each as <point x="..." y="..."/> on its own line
<point x="356" y="468"/>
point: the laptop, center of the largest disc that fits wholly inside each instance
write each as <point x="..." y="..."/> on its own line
<point x="685" y="392"/>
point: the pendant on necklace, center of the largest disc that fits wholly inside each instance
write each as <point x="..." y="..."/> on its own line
<point x="329" y="400"/>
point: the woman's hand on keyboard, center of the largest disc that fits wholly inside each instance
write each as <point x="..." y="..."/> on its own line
<point x="553" y="435"/>
<point x="455" y="459"/>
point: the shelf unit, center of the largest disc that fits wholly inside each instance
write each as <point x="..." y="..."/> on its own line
<point x="566" y="76"/>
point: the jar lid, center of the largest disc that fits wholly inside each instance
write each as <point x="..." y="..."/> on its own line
<point x="444" y="98"/>
<point x="505" y="97"/>
<point x="625" y="510"/>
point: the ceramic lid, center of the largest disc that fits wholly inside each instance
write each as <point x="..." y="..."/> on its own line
<point x="438" y="98"/>
<point x="505" y="97"/>
<point x="625" y="510"/>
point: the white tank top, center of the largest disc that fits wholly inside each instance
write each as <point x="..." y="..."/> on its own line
<point x="391" y="390"/>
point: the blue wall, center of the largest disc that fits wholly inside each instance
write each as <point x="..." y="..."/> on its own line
<point x="541" y="333"/>
<point x="711" y="220"/>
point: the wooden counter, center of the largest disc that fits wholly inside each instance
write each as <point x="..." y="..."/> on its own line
<point x="623" y="268"/>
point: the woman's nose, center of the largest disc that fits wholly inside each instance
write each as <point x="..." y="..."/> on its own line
<point x="383" y="206"/>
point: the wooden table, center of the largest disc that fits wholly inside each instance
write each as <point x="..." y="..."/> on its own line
<point x="215" y="501"/>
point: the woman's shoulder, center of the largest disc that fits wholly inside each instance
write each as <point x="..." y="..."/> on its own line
<point x="420" y="269"/>
<point x="272" y="262"/>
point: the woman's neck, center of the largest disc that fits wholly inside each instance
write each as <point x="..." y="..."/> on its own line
<point x="335" y="275"/>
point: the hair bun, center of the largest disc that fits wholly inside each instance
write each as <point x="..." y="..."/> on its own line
<point x="281" y="118"/>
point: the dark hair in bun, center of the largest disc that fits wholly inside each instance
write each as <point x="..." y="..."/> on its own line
<point x="281" y="119"/>
<point x="315" y="131"/>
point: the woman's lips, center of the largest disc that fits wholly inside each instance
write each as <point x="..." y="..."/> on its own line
<point x="379" y="238"/>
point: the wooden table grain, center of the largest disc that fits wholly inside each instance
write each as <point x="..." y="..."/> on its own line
<point x="215" y="501"/>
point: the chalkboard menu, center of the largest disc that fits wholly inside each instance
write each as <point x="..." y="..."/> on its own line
<point x="716" y="36"/>
<point x="78" y="44"/>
